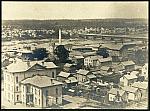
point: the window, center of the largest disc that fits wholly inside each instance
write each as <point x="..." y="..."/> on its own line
<point x="32" y="89"/>
<point x="39" y="101"/>
<point x="56" y="100"/>
<point x="17" y="97"/>
<point x="23" y="88"/>
<point x="35" y="100"/>
<point x="56" y="91"/>
<point x="8" y="87"/>
<point x="35" y="90"/>
<point x="8" y="95"/>
<point x="46" y="92"/>
<point x="53" y="75"/>
<point x="17" y="88"/>
<point x="17" y="79"/>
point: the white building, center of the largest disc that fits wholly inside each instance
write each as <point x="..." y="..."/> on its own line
<point x="41" y="91"/>
<point x="145" y="71"/>
<point x="97" y="61"/>
<point x="20" y="70"/>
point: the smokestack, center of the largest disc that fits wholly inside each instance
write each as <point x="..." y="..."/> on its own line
<point x="59" y="36"/>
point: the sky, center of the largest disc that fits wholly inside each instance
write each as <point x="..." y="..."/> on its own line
<point x="73" y="10"/>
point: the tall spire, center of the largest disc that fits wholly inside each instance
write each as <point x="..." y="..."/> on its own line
<point x="59" y="36"/>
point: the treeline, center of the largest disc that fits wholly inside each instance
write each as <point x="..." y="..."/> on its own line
<point x="70" y="24"/>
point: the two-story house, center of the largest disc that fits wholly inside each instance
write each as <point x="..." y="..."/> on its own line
<point x="19" y="70"/>
<point x="41" y="91"/>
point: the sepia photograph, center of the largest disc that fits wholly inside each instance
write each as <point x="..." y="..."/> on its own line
<point x="74" y="55"/>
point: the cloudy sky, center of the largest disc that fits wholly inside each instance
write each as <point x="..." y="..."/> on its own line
<point x="73" y="10"/>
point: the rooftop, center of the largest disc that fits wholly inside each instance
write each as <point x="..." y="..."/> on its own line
<point x="141" y="85"/>
<point x="41" y="81"/>
<point x="71" y="80"/>
<point x="126" y="63"/>
<point x="21" y="66"/>
<point x="105" y="59"/>
<point x="83" y="72"/>
<point x="64" y="74"/>
<point x="115" y="90"/>
<point x="129" y="89"/>
<point x="129" y="77"/>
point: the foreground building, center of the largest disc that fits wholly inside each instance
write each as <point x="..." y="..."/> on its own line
<point x="20" y="70"/>
<point x="41" y="91"/>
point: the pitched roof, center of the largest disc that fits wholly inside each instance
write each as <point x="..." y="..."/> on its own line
<point x="71" y="80"/>
<point x="129" y="77"/>
<point x="21" y="66"/>
<point x="41" y="81"/>
<point x="94" y="57"/>
<point x="91" y="76"/>
<point x="68" y="65"/>
<point x="126" y="63"/>
<point x="114" y="91"/>
<point x="140" y="85"/>
<point x="129" y="89"/>
<point x="105" y="59"/>
<point x="105" y="68"/>
<point x="79" y="57"/>
<point x="83" y="72"/>
<point x="64" y="74"/>
<point x="113" y="46"/>
<point x="134" y="72"/>
<point x="49" y="65"/>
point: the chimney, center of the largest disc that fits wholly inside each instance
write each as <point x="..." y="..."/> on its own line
<point x="52" y="81"/>
<point x="28" y="63"/>
<point x="59" y="36"/>
<point x="14" y="60"/>
<point x="42" y="62"/>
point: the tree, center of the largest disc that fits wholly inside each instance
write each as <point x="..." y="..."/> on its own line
<point x="62" y="53"/>
<point x="103" y="52"/>
<point x="40" y="53"/>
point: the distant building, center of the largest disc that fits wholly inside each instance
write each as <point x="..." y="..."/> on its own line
<point x="143" y="87"/>
<point x="84" y="75"/>
<point x="128" y="80"/>
<point x="145" y="71"/>
<point x="41" y="91"/>
<point x="128" y="65"/>
<point x="67" y="78"/>
<point x="117" y="95"/>
<point x="97" y="61"/>
<point x="133" y="93"/>
<point x="118" y="51"/>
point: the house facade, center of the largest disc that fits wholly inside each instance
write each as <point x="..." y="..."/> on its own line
<point x="17" y="71"/>
<point x="41" y="91"/>
<point x="82" y="75"/>
<point x="128" y="80"/>
<point x="128" y="65"/>
<point x="145" y="71"/>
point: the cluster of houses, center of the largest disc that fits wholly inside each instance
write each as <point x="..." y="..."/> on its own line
<point x="42" y="83"/>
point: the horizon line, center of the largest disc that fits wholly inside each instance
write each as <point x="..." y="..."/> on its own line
<point x="76" y="19"/>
